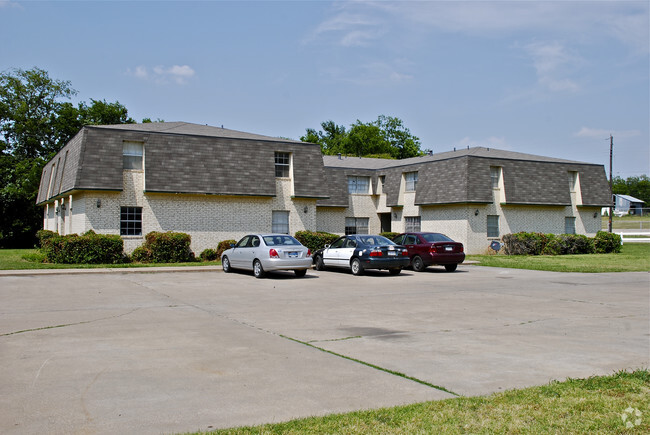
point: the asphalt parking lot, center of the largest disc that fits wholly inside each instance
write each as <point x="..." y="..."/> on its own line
<point x="142" y="352"/>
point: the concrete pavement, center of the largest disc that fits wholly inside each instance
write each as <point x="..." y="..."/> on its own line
<point x="134" y="351"/>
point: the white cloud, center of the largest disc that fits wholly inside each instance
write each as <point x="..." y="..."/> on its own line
<point x="600" y="133"/>
<point x="349" y="29"/>
<point x="179" y="74"/>
<point x="552" y="63"/>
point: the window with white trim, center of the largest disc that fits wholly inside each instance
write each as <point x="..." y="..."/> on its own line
<point x="280" y="222"/>
<point x="569" y="225"/>
<point x="356" y="225"/>
<point x="282" y="164"/>
<point x="132" y="154"/>
<point x="411" y="181"/>
<point x="413" y="224"/>
<point x="493" y="226"/>
<point x="495" y="175"/>
<point x="358" y="184"/>
<point x="130" y="221"/>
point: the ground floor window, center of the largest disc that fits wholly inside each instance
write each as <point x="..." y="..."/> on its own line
<point x="280" y="222"/>
<point x="493" y="226"/>
<point x="356" y="225"/>
<point x="131" y="221"/>
<point x="569" y="225"/>
<point x="413" y="224"/>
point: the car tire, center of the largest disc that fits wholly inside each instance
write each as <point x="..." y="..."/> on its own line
<point x="418" y="264"/>
<point x="318" y="263"/>
<point x="356" y="267"/>
<point x="225" y="263"/>
<point x="258" y="270"/>
<point x="450" y="267"/>
<point x="300" y="272"/>
<point x="395" y="271"/>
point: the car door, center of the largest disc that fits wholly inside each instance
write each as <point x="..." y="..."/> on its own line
<point x="238" y="252"/>
<point x="413" y="245"/>
<point x="331" y="254"/>
<point x="250" y="252"/>
<point x="346" y="252"/>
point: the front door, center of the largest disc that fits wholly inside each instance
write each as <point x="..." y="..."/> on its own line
<point x="385" y="222"/>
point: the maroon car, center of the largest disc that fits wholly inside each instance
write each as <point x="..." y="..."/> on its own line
<point x="426" y="249"/>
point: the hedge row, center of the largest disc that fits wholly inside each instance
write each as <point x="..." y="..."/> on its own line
<point x="89" y="248"/>
<point x="315" y="240"/>
<point x="550" y="244"/>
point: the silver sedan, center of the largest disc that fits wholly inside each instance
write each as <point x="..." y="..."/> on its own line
<point x="263" y="253"/>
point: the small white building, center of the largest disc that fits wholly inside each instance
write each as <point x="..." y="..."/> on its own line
<point x="626" y="204"/>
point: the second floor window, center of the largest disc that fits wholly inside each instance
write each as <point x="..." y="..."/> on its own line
<point x="358" y="184"/>
<point x="356" y="225"/>
<point x="282" y="162"/>
<point x="495" y="174"/>
<point x="411" y="181"/>
<point x="132" y="153"/>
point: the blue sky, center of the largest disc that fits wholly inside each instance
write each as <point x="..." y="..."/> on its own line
<point x="552" y="78"/>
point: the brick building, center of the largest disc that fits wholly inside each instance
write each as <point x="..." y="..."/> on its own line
<point x="218" y="184"/>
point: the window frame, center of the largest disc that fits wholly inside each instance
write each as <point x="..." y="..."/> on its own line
<point x="495" y="176"/>
<point x="569" y="225"/>
<point x="131" y="221"/>
<point x="412" y="224"/>
<point x="492" y="227"/>
<point x="355" y="225"/>
<point x="282" y="164"/>
<point x="132" y="158"/>
<point x="354" y="184"/>
<point x="279" y="225"/>
<point x="410" y="181"/>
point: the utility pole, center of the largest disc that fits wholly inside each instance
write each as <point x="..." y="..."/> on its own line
<point x="611" y="182"/>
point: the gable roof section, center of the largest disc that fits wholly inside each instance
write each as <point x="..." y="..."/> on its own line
<point x="630" y="198"/>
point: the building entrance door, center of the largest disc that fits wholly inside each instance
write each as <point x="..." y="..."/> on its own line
<point x="385" y="221"/>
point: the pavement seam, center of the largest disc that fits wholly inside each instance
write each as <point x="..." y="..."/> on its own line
<point x="376" y="367"/>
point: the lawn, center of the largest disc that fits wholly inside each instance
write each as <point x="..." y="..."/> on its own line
<point x="632" y="222"/>
<point x="619" y="403"/>
<point x="634" y="257"/>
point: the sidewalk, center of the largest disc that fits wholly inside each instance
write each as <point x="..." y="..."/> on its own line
<point x="115" y="270"/>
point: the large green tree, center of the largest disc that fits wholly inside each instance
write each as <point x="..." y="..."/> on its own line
<point x="36" y="121"/>
<point x="386" y="137"/>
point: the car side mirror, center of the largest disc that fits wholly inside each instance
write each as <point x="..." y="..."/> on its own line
<point x="232" y="245"/>
<point x="326" y="246"/>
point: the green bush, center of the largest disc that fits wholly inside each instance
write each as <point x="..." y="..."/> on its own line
<point x="89" y="248"/>
<point x="208" y="255"/>
<point x="523" y="243"/>
<point x="315" y="240"/>
<point x="567" y="244"/>
<point x="43" y="236"/>
<point x="168" y="247"/>
<point x="605" y="242"/>
<point x="223" y="245"/>
<point x="389" y="234"/>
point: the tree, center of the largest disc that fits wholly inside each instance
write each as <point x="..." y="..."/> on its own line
<point x="637" y="187"/>
<point x="386" y="137"/>
<point x="35" y="123"/>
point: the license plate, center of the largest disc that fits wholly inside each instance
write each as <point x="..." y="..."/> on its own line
<point x="449" y="248"/>
<point x="392" y="253"/>
<point x="293" y="255"/>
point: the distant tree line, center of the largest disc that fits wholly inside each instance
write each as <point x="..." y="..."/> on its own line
<point x="637" y="187"/>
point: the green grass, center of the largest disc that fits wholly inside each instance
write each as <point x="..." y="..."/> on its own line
<point x="633" y="222"/>
<point x="21" y="259"/>
<point x="634" y="257"/>
<point x="594" y="405"/>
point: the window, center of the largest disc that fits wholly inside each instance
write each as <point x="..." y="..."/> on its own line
<point x="358" y="184"/>
<point x="132" y="153"/>
<point x="569" y="225"/>
<point x="493" y="226"/>
<point x="130" y="221"/>
<point x="356" y="225"/>
<point x="282" y="162"/>
<point x="495" y="175"/>
<point x="399" y="240"/>
<point x="411" y="181"/>
<point x="413" y="224"/>
<point x="280" y="222"/>
<point x="573" y="181"/>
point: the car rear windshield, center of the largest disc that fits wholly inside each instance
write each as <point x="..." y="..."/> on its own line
<point x="435" y="237"/>
<point x="280" y="241"/>
<point x="375" y="240"/>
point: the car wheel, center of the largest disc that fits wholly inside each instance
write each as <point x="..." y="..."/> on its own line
<point x="418" y="264"/>
<point x="451" y="267"/>
<point x="357" y="268"/>
<point x="258" y="270"/>
<point x="225" y="263"/>
<point x="300" y="272"/>
<point x="394" y="271"/>
<point x="319" y="264"/>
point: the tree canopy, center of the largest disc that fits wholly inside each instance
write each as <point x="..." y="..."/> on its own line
<point x="36" y="121"/>
<point x="386" y="137"/>
<point x="637" y="187"/>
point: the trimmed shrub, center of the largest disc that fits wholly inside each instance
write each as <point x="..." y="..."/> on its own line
<point x="209" y="255"/>
<point x="315" y="240"/>
<point x="567" y="244"/>
<point x="389" y="234"/>
<point x="43" y="236"/>
<point x="223" y="245"/>
<point x="168" y="247"/>
<point x="89" y="248"/>
<point x="605" y="242"/>
<point x="523" y="243"/>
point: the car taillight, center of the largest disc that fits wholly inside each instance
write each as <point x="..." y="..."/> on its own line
<point x="462" y="248"/>
<point x="433" y="249"/>
<point x="376" y="253"/>
<point x="273" y="253"/>
<point x="308" y="252"/>
<point x="405" y="252"/>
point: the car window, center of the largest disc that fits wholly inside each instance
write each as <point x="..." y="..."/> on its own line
<point x="436" y="237"/>
<point x="375" y="240"/>
<point x="351" y="244"/>
<point x="280" y="240"/>
<point x="255" y="241"/>
<point x="338" y="243"/>
<point x="242" y="243"/>
<point x="399" y="239"/>
<point x="411" y="240"/>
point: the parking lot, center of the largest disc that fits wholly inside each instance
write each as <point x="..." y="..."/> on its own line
<point x="142" y="352"/>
